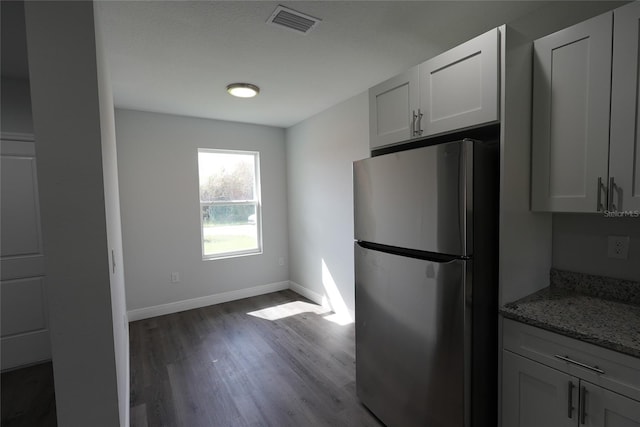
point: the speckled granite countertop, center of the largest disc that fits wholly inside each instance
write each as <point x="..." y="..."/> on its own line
<point x="598" y="310"/>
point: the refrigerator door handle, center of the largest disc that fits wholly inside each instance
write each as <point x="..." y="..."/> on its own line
<point x="466" y="195"/>
<point x="411" y="253"/>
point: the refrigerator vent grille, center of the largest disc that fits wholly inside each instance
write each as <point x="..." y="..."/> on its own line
<point x="292" y="20"/>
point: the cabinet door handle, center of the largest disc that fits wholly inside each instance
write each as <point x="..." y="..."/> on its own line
<point x="582" y="365"/>
<point x="414" y="116"/>
<point x="600" y="187"/>
<point x="583" y="401"/>
<point x="419" y="127"/>
<point x="570" y="401"/>
<point x="612" y="186"/>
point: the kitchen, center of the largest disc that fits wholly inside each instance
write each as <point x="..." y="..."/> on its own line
<point x="334" y="138"/>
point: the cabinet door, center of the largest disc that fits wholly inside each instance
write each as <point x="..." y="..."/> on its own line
<point x="571" y="96"/>
<point x="534" y="395"/>
<point x="459" y="88"/>
<point x="604" y="408"/>
<point x="624" y="160"/>
<point x="392" y="106"/>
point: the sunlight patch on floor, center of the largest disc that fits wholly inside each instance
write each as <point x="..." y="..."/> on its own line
<point x="289" y="309"/>
<point x="336" y="302"/>
<point x="338" y="319"/>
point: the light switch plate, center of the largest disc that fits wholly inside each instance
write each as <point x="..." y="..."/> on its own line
<point x="618" y="247"/>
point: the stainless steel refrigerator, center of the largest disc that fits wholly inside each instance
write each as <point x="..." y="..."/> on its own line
<point x="426" y="284"/>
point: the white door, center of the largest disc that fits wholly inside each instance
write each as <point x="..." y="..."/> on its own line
<point x="604" y="408"/>
<point x="459" y="88"/>
<point x="624" y="160"/>
<point x="534" y="395"/>
<point x="571" y="96"/>
<point x="393" y="109"/>
<point x="24" y="331"/>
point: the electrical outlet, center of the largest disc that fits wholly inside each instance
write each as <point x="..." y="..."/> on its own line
<point x="281" y="261"/>
<point x="175" y="277"/>
<point x="618" y="247"/>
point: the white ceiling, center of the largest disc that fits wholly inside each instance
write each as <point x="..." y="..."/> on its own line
<point x="178" y="56"/>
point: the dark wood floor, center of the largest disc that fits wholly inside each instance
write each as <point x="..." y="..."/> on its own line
<point x="28" y="397"/>
<point x="221" y="366"/>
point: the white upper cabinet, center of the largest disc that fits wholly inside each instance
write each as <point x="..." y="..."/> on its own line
<point x="586" y="130"/>
<point x="571" y="79"/>
<point x="624" y="160"/>
<point x="455" y="90"/>
<point x="459" y="88"/>
<point x="393" y="109"/>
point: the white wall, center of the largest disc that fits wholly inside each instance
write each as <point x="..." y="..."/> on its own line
<point x="320" y="152"/>
<point x="580" y="244"/>
<point x="526" y="237"/>
<point x="114" y="230"/>
<point x="158" y="171"/>
<point x="15" y="106"/>
<point x="68" y="127"/>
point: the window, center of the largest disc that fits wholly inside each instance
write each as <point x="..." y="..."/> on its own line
<point x="229" y="202"/>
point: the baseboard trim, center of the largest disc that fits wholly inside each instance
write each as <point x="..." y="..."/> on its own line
<point x="178" y="306"/>
<point x="308" y="293"/>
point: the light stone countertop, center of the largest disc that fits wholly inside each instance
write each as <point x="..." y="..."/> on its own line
<point x="601" y="311"/>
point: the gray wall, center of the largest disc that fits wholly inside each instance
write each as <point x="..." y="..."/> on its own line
<point x="15" y="106"/>
<point x="158" y="171"/>
<point x="526" y="237"/>
<point x="320" y="152"/>
<point x="69" y="122"/>
<point x="339" y="135"/>
<point x="580" y="244"/>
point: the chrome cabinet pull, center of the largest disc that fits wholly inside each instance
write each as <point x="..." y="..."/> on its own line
<point x="612" y="186"/>
<point x="419" y="130"/>
<point x="583" y="400"/>
<point x="600" y="187"/>
<point x="570" y="402"/>
<point x="413" y="122"/>
<point x="582" y="365"/>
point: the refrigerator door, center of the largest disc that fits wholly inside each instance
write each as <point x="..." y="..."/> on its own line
<point x="417" y="199"/>
<point x="411" y="339"/>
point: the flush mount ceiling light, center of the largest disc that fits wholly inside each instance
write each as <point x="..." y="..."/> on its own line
<point x="243" y="90"/>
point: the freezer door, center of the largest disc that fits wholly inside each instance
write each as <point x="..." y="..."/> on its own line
<point x="411" y="339"/>
<point x="417" y="199"/>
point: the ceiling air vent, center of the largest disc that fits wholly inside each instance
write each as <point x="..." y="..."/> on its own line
<point x="292" y="20"/>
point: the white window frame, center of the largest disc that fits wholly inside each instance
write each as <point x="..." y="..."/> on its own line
<point x="256" y="201"/>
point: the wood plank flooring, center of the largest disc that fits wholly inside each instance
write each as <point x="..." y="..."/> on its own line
<point x="221" y="366"/>
<point x="28" y="397"/>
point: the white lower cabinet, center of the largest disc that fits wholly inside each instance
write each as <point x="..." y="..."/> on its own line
<point x="535" y="395"/>
<point x="608" y="409"/>
<point x="549" y="380"/>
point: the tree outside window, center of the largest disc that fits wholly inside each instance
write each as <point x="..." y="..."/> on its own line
<point x="229" y="202"/>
